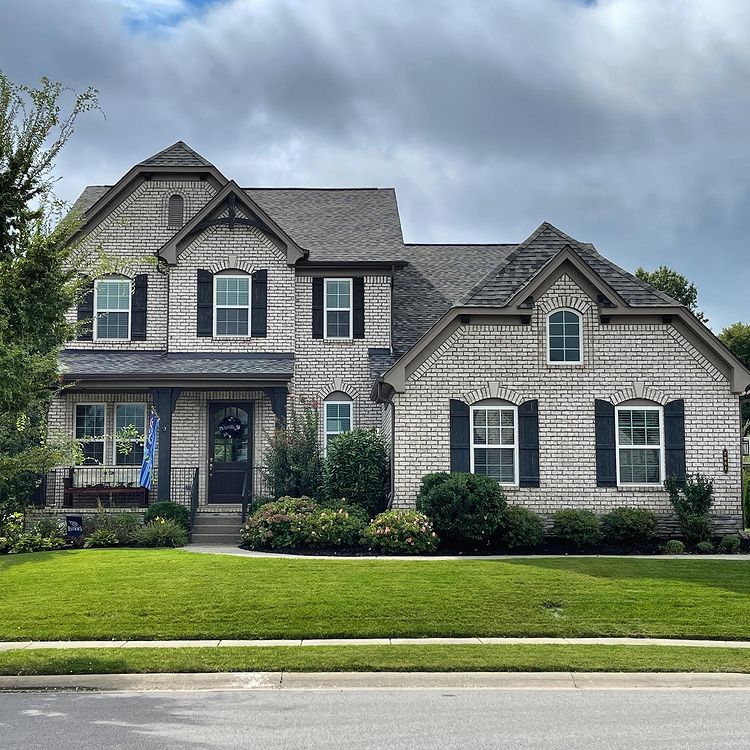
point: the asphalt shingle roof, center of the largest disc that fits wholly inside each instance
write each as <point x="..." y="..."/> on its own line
<point x="118" y="363"/>
<point x="177" y="155"/>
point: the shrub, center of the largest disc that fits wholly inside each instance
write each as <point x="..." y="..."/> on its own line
<point x="169" y="511"/>
<point x="101" y="538"/>
<point x="277" y="525"/>
<point x="581" y="528"/>
<point x="521" y="529"/>
<point x="356" y="468"/>
<point x="674" y="547"/>
<point x="692" y="503"/>
<point x="730" y="544"/>
<point x="705" y="548"/>
<point x="466" y="509"/>
<point x="30" y="542"/>
<point x="47" y="526"/>
<point x="122" y="525"/>
<point x="328" y="527"/>
<point x="403" y="532"/>
<point x="11" y="526"/>
<point x="295" y="468"/>
<point x="161" y="532"/>
<point x="628" y="526"/>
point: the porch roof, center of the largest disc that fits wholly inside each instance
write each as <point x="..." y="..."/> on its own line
<point x="147" y="368"/>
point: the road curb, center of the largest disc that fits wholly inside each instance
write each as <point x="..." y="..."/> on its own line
<point x="379" y="681"/>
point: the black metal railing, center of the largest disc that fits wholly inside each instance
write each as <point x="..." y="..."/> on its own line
<point x="193" y="499"/>
<point x="259" y="490"/>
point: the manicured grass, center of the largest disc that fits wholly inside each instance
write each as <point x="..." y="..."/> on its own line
<point x="378" y="659"/>
<point x="152" y="594"/>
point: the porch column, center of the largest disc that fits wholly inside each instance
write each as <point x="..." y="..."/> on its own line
<point x="277" y="396"/>
<point x="164" y="402"/>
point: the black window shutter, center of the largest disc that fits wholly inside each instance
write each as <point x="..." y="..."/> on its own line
<point x="674" y="439"/>
<point x="138" y="308"/>
<point x="259" y="304"/>
<point x="606" y="460"/>
<point x="86" y="313"/>
<point x="317" y="308"/>
<point x="205" y="303"/>
<point x="528" y="444"/>
<point x="460" y="446"/>
<point x="358" y="294"/>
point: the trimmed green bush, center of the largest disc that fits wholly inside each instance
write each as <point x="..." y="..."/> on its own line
<point x="730" y="544"/>
<point x="580" y="528"/>
<point x="401" y="532"/>
<point x="467" y="510"/>
<point x="692" y="503"/>
<point x="161" y="532"/>
<point x="521" y="529"/>
<point x="329" y="527"/>
<point x="169" y="511"/>
<point x="705" y="548"/>
<point x="356" y="468"/>
<point x="101" y="538"/>
<point x="628" y="526"/>
<point x="278" y="525"/>
<point x="674" y="547"/>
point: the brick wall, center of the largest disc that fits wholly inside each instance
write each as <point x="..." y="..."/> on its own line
<point x="621" y="362"/>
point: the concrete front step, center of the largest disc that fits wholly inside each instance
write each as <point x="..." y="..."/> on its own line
<point x="201" y="538"/>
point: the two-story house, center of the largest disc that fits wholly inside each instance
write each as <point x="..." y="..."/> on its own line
<point x="540" y="364"/>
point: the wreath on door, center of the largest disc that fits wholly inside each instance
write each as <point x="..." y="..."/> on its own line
<point x="229" y="427"/>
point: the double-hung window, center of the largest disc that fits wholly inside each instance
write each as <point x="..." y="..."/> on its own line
<point x="564" y="337"/>
<point x="128" y="448"/>
<point x="112" y="309"/>
<point x="338" y="419"/>
<point x="494" y="443"/>
<point x="640" y="445"/>
<point x="232" y="305"/>
<point x="338" y="308"/>
<point x="89" y="429"/>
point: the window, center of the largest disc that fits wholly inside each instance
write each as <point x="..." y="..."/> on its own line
<point x="112" y="308"/>
<point x="89" y="429"/>
<point x="640" y="445"/>
<point x="564" y="337"/>
<point x="338" y="419"/>
<point x="494" y="443"/>
<point x="129" y="416"/>
<point x="338" y="308"/>
<point x="176" y="211"/>
<point x="232" y="305"/>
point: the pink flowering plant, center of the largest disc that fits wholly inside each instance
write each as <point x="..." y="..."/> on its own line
<point x="401" y="532"/>
<point x="278" y="525"/>
<point x="333" y="527"/>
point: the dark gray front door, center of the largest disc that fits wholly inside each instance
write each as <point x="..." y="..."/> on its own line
<point x="230" y="430"/>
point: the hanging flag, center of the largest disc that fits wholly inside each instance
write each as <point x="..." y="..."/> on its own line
<point x="149" y="451"/>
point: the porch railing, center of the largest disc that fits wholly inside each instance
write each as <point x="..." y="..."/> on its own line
<point x="259" y="490"/>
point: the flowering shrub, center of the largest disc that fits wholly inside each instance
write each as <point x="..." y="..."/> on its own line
<point x="402" y="532"/>
<point x="330" y="527"/>
<point x="278" y="525"/>
<point x="11" y="526"/>
<point x="160" y="533"/>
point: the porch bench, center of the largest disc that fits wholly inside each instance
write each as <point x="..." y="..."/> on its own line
<point x="106" y="495"/>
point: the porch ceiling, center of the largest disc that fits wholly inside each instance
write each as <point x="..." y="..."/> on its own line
<point x="133" y="369"/>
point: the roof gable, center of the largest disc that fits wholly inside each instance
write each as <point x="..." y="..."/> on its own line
<point x="179" y="154"/>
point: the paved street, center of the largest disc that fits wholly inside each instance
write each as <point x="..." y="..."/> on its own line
<point x="413" y="719"/>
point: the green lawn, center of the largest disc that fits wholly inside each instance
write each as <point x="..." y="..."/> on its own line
<point x="378" y="659"/>
<point x="151" y="594"/>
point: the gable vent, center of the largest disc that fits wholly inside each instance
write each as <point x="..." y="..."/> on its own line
<point x="176" y="212"/>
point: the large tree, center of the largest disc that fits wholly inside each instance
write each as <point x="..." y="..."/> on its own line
<point x="737" y="339"/>
<point x="39" y="275"/>
<point x="677" y="286"/>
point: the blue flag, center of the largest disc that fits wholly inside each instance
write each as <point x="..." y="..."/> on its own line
<point x="147" y="467"/>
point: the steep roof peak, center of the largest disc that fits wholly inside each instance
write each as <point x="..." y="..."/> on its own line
<point x="179" y="154"/>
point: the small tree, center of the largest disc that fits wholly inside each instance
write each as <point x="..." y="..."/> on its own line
<point x="692" y="503"/>
<point x="356" y="470"/>
<point x="295" y="468"/>
<point x="674" y="284"/>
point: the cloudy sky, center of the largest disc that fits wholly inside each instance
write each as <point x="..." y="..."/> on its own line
<point x="624" y="122"/>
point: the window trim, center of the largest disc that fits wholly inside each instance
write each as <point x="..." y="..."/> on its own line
<point x="115" y="441"/>
<point x="571" y="363"/>
<point x="350" y="309"/>
<point x="217" y="306"/>
<point x="326" y="433"/>
<point x="103" y="438"/>
<point x="95" y="327"/>
<point x="507" y="407"/>
<point x="659" y="409"/>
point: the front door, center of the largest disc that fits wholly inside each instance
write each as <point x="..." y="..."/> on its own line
<point x="229" y="451"/>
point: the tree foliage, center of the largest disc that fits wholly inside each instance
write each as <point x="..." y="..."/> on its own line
<point x="675" y="285"/>
<point x="737" y="339"/>
<point x="39" y="278"/>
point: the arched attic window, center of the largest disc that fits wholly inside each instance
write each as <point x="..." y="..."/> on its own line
<point x="564" y="337"/>
<point x="176" y="211"/>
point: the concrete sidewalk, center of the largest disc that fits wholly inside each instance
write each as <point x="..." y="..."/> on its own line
<point x="381" y="681"/>
<point x="228" y="643"/>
